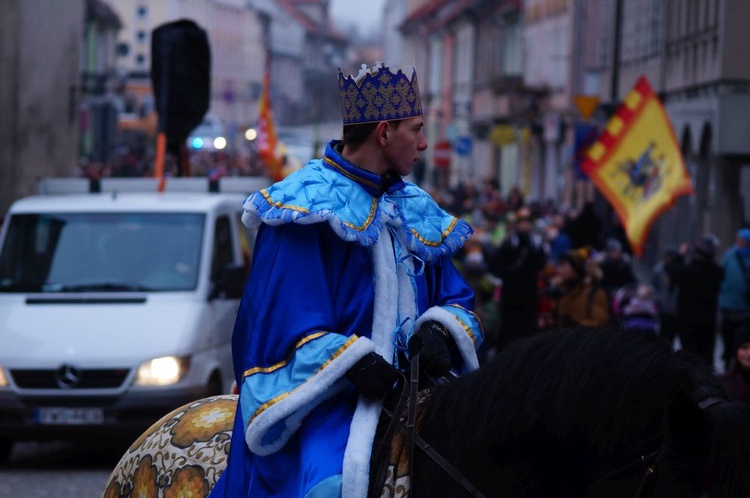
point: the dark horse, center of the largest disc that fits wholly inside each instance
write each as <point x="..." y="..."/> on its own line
<point x="580" y="413"/>
<point x="588" y="413"/>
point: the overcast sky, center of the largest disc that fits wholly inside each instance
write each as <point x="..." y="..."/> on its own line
<point x="366" y="14"/>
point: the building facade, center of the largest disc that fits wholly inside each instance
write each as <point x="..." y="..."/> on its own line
<point x="236" y="41"/>
<point x="506" y="76"/>
<point x="39" y="128"/>
<point x="691" y="52"/>
<point x="101" y="86"/>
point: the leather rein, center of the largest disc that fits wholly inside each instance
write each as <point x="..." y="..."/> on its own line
<point x="651" y="460"/>
<point x="408" y="397"/>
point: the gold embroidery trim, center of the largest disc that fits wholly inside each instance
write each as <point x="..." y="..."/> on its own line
<point x="467" y="329"/>
<point x="280" y="205"/>
<point x="351" y="176"/>
<point x="367" y="222"/>
<point x="442" y="235"/>
<point x="479" y="320"/>
<point x="280" y="364"/>
<point x="265" y="406"/>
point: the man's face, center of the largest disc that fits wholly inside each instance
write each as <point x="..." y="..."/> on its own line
<point x="404" y="145"/>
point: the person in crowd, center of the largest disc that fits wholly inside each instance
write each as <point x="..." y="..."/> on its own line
<point x="698" y="279"/>
<point x="734" y="296"/>
<point x="352" y="278"/>
<point x="584" y="227"/>
<point x="617" y="268"/>
<point x="666" y="296"/>
<point x="517" y="263"/>
<point x="516" y="199"/>
<point x="582" y="301"/>
<point x="559" y="240"/>
<point x="614" y="230"/>
<point x="737" y="376"/>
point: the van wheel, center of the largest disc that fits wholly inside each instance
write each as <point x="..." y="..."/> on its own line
<point x="214" y="385"/>
<point x="6" y="446"/>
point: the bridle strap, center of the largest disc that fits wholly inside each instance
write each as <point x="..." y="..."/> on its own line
<point x="411" y="418"/>
<point x="413" y="439"/>
<point x="447" y="467"/>
<point x="384" y="446"/>
<point x="648" y="476"/>
<point x="707" y="403"/>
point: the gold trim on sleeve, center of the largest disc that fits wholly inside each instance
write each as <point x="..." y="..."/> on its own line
<point x="280" y="364"/>
<point x="282" y="396"/>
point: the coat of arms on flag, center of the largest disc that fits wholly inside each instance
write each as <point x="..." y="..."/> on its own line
<point x="637" y="164"/>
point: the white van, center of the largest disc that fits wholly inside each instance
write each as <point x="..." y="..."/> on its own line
<point x="118" y="306"/>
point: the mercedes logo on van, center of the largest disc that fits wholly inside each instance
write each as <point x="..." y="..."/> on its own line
<point x="68" y="376"/>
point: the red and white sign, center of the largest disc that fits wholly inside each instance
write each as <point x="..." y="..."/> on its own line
<point x="442" y="154"/>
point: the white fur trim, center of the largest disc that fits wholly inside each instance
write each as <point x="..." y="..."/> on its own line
<point x="295" y="407"/>
<point x="356" y="476"/>
<point x="459" y="335"/>
<point x="356" y="473"/>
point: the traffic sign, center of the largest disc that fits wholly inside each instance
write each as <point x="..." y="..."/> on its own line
<point x="586" y="105"/>
<point x="442" y="154"/>
<point x="463" y="146"/>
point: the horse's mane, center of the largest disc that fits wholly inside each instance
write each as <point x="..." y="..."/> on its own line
<point x="590" y="388"/>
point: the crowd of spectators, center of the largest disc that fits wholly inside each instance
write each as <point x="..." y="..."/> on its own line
<point x="540" y="266"/>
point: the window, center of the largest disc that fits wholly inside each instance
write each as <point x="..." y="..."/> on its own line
<point x="105" y="252"/>
<point x="222" y="254"/>
<point x="142" y="11"/>
<point x="123" y="49"/>
<point x="141" y="35"/>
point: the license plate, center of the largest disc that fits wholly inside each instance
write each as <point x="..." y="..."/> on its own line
<point x="70" y="416"/>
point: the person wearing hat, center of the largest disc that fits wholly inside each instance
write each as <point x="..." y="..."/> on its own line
<point x="616" y="266"/>
<point x="582" y="300"/>
<point x="352" y="278"/>
<point x="666" y="296"/>
<point x="737" y="377"/>
<point x="517" y="262"/>
<point x="734" y="296"/>
<point x="697" y="278"/>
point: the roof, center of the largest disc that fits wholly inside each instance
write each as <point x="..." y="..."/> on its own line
<point x="102" y="12"/>
<point x="182" y="202"/>
<point x="436" y="13"/>
<point x="309" y="25"/>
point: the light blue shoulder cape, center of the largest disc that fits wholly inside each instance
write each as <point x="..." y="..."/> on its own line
<point x="333" y="190"/>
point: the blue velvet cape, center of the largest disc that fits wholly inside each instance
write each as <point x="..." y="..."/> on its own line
<point x="343" y="265"/>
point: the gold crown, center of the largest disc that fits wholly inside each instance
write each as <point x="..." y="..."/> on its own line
<point x="377" y="94"/>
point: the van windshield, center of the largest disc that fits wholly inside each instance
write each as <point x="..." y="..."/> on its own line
<point x="101" y="252"/>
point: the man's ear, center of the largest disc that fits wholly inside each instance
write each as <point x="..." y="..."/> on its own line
<point x="381" y="132"/>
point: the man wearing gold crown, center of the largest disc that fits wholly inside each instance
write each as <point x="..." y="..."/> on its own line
<point x="352" y="275"/>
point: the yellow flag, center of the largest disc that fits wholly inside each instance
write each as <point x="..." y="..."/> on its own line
<point x="637" y="164"/>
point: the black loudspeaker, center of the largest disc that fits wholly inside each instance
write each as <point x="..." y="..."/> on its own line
<point x="181" y="77"/>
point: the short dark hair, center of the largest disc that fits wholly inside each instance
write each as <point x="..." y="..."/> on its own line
<point x="354" y="135"/>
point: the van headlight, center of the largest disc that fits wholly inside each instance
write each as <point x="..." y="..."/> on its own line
<point x="3" y="378"/>
<point x="163" y="371"/>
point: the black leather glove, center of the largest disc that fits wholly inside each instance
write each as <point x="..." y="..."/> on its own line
<point x="372" y="376"/>
<point x="432" y="342"/>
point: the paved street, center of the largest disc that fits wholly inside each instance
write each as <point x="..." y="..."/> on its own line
<point x="56" y="470"/>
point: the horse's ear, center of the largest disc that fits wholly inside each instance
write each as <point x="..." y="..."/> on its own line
<point x="689" y="425"/>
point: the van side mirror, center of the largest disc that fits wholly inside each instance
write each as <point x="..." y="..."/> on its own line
<point x="230" y="283"/>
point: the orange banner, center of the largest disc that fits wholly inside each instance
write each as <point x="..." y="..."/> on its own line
<point x="267" y="139"/>
<point x="637" y="163"/>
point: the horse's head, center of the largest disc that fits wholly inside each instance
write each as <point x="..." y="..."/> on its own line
<point x="705" y="453"/>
